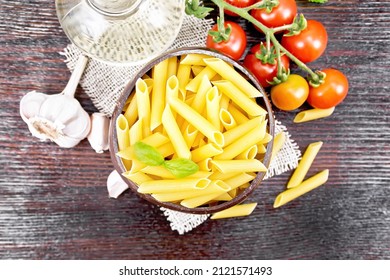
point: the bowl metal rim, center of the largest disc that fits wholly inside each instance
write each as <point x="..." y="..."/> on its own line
<point x="113" y="145"/>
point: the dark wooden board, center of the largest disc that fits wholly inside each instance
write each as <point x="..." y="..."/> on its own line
<point x="54" y="203"/>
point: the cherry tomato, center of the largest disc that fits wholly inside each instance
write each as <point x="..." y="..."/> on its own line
<point x="280" y="15"/>
<point x="239" y="4"/>
<point x="331" y="93"/>
<point x="263" y="72"/>
<point x="235" y="46"/>
<point x="290" y="94"/>
<point x="308" y="45"/>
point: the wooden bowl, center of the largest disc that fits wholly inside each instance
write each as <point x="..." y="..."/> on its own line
<point x="262" y="101"/>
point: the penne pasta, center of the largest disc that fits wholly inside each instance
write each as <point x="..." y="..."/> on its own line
<point x="239" y="116"/>
<point x="203" y="199"/>
<point x="196" y="120"/>
<point x="143" y="105"/>
<point x="212" y="107"/>
<point x="306" y="186"/>
<point x="239" y="165"/>
<point x="226" y="119"/>
<point x="207" y="151"/>
<point x="193" y="85"/>
<point x="313" y="114"/>
<point x="304" y="164"/>
<point x="236" y="133"/>
<point x="172" y="66"/>
<point x="239" y="180"/>
<point x="164" y="173"/>
<point x="279" y="140"/>
<point x="243" y="143"/>
<point x="122" y="131"/>
<point x="194" y="59"/>
<point x="135" y="132"/>
<point x="174" y="134"/>
<point x="158" y="93"/>
<point x="205" y="165"/>
<point x="249" y="153"/>
<point x="196" y="69"/>
<point x="183" y="76"/>
<point x="199" y="102"/>
<point x="238" y="97"/>
<point x="235" y="211"/>
<point x="227" y="72"/>
<point x="215" y="188"/>
<point x="137" y="177"/>
<point x="166" y="186"/>
<point x="131" y="112"/>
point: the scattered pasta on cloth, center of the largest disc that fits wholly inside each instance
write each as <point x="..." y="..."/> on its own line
<point x="104" y="83"/>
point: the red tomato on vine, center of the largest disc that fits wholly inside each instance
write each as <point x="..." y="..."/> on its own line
<point x="331" y="93"/>
<point x="309" y="44"/>
<point x="239" y="4"/>
<point x="280" y="15"/>
<point x="235" y="44"/>
<point x="264" y="72"/>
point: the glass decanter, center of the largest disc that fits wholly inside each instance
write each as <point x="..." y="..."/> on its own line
<point x="121" y="31"/>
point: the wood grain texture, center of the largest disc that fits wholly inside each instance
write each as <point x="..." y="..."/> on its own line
<point x="54" y="203"/>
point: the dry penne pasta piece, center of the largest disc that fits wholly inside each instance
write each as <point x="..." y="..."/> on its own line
<point x="196" y="120"/>
<point x="304" y="164"/>
<point x="131" y="112"/>
<point x="203" y="199"/>
<point x="238" y="97"/>
<point x="135" y="132"/>
<point x="239" y="116"/>
<point x="239" y="179"/>
<point x="223" y="197"/>
<point x="212" y="107"/>
<point x="174" y="134"/>
<point x="215" y="188"/>
<point x="172" y="66"/>
<point x="267" y="138"/>
<point x="249" y="153"/>
<point x="160" y="72"/>
<point x="279" y="140"/>
<point x="183" y="76"/>
<point x="236" y="133"/>
<point x="149" y="83"/>
<point x="196" y="69"/>
<point x="189" y="134"/>
<point x="137" y="177"/>
<point x="229" y="73"/>
<point x="174" y="185"/>
<point x="143" y="105"/>
<point x="235" y="211"/>
<point x="193" y="85"/>
<point x="206" y="151"/>
<point x="226" y="119"/>
<point x="122" y="131"/>
<point x="199" y="102"/>
<point x="217" y="175"/>
<point x="239" y="165"/>
<point x="261" y="149"/>
<point x="306" y="186"/>
<point x="164" y="173"/>
<point x="242" y="144"/>
<point x="313" y="114"/>
<point x="194" y="59"/>
<point x="225" y="102"/>
<point x="205" y="165"/>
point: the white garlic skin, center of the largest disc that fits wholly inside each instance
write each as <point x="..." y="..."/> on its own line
<point x="98" y="136"/>
<point x="58" y="117"/>
<point x="115" y="185"/>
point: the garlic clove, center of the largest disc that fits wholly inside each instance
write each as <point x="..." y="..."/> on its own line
<point x="30" y="104"/>
<point x="115" y="185"/>
<point x="98" y="136"/>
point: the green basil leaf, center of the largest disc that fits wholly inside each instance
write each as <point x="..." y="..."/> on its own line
<point x="181" y="167"/>
<point x="147" y="154"/>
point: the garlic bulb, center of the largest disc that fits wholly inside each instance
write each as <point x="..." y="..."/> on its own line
<point x="98" y="136"/>
<point x="58" y="117"/>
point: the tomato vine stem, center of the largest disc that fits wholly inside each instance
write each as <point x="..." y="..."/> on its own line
<point x="269" y="34"/>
